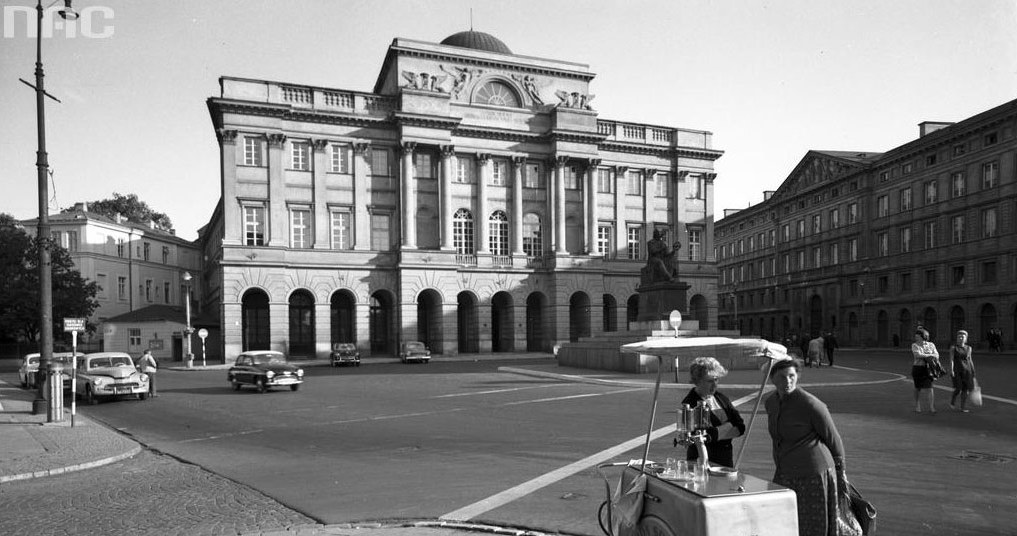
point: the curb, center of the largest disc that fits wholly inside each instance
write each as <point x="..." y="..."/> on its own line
<point x="71" y="468"/>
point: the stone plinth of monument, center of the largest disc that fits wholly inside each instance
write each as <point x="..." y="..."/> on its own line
<point x="657" y="300"/>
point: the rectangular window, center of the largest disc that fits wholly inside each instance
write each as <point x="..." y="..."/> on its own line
<point x="931" y="192"/>
<point x="166" y="292"/>
<point x="72" y="241"/>
<point x="571" y="177"/>
<point x="931" y="230"/>
<point x="634" y="181"/>
<point x="883" y="244"/>
<point x="990" y="175"/>
<point x="342" y="235"/>
<point x="785" y="232"/>
<point x="989" y="272"/>
<point x="835" y="218"/>
<point x="957" y="229"/>
<point x="817" y="257"/>
<point x="634" y="241"/>
<point x="930" y="160"/>
<point x="381" y="240"/>
<point x="464" y="169"/>
<point x="300" y="228"/>
<point x="904" y="281"/>
<point x="663" y="184"/>
<point x="957" y="276"/>
<point x="100" y="282"/>
<point x="834" y="254"/>
<point x="532" y="176"/>
<point x="148" y="290"/>
<point x="908" y="167"/>
<point x="989" y="225"/>
<point x="817" y="224"/>
<point x="786" y="261"/>
<point x="695" y="183"/>
<point x="253" y="151"/>
<point x="695" y="245"/>
<point x="301" y="156"/>
<point x="120" y="247"/>
<point x="339" y="158"/>
<point x="884" y="176"/>
<point x="991" y="139"/>
<point x="853" y="250"/>
<point x="958" y="184"/>
<point x="752" y="243"/>
<point x="800" y="259"/>
<point x="134" y="337"/>
<point x="882" y="284"/>
<point x="147" y="251"/>
<point x="959" y="149"/>
<point x="604" y="240"/>
<point x="852" y="213"/>
<point x="604" y="181"/>
<point x="499" y="172"/>
<point x="380" y="163"/>
<point x="741" y="246"/>
<point x="165" y="254"/>
<point x="882" y="206"/>
<point x="121" y="288"/>
<point x="532" y="243"/>
<point x="930" y="279"/>
<point x="905" y="199"/>
<point x="254" y="225"/>
<point x="905" y="240"/>
<point x="801" y="228"/>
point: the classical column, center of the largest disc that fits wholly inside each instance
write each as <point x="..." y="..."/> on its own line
<point x="484" y="176"/>
<point x="233" y="219"/>
<point x="361" y="180"/>
<point x="648" y="202"/>
<point x="591" y="207"/>
<point x="708" y="240"/>
<point x="408" y="197"/>
<point x="621" y="241"/>
<point x="559" y="205"/>
<point x="447" y="171"/>
<point x="518" y="165"/>
<point x="322" y="225"/>
<point x="277" y="214"/>
<point x="676" y="197"/>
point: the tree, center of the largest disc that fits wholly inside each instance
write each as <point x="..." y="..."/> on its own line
<point x="73" y="295"/>
<point x="130" y="207"/>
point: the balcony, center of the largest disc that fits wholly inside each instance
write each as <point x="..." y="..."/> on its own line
<point x="307" y="97"/>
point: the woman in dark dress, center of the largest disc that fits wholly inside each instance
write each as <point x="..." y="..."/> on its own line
<point x="962" y="371"/>
<point x="725" y="421"/>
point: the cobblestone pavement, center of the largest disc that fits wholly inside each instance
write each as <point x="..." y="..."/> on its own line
<point x="147" y="494"/>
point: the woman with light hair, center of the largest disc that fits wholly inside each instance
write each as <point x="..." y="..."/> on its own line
<point x="924" y="369"/>
<point x="725" y="421"/>
<point x="962" y="371"/>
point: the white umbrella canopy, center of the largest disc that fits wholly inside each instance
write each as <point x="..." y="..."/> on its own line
<point x="672" y="346"/>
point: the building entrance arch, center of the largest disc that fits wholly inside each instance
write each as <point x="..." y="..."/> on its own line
<point x="343" y="317"/>
<point x="882" y="328"/>
<point x="467" y="320"/>
<point x="929" y="319"/>
<point x="502" y="322"/>
<point x="957" y="320"/>
<point x="430" y="325"/>
<point x="815" y="316"/>
<point x="610" y="313"/>
<point x="699" y="311"/>
<point x="631" y="311"/>
<point x="255" y="321"/>
<point x="905" y="329"/>
<point x="381" y="322"/>
<point x="536" y="335"/>
<point x="302" y="324"/>
<point x="579" y="316"/>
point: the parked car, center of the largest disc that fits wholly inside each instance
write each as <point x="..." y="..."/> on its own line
<point x="414" y="351"/>
<point x="109" y="375"/>
<point x="30" y="367"/>
<point x="344" y="352"/>
<point x="264" y="369"/>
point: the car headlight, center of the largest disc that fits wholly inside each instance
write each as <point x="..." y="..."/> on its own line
<point x="100" y="381"/>
<point x="270" y="374"/>
<point x="143" y="377"/>
<point x="300" y="372"/>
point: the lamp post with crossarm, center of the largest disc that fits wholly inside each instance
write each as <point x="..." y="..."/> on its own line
<point x="43" y="238"/>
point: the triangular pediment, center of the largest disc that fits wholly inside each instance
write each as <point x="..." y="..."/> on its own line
<point x="819" y="167"/>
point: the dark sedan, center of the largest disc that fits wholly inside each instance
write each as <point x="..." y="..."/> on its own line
<point x="343" y="352"/>
<point x="264" y="369"/>
<point x="414" y="351"/>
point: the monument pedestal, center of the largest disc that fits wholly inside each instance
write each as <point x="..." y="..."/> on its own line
<point x="657" y="300"/>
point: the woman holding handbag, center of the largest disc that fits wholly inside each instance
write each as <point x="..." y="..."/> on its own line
<point x="924" y="369"/>
<point x="962" y="371"/>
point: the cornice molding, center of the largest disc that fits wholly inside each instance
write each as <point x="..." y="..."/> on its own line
<point x="491" y="63"/>
<point x="431" y="121"/>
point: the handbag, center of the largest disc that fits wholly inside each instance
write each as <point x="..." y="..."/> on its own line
<point x="847" y="521"/>
<point x="975" y="396"/>
<point x="863" y="510"/>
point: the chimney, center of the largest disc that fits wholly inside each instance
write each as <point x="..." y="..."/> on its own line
<point x="768" y="194"/>
<point x="928" y="127"/>
<point x="81" y="207"/>
<point x="118" y="217"/>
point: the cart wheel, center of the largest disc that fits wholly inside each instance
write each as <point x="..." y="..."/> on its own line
<point x="602" y="518"/>
<point x="262" y="387"/>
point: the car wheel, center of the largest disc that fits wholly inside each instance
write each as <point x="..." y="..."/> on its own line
<point x="143" y="396"/>
<point x="358" y="363"/>
<point x="294" y="387"/>
<point x="235" y="384"/>
<point x="262" y="386"/>
<point x="90" y="398"/>
<point x="24" y="383"/>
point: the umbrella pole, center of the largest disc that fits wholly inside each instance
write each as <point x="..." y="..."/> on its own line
<point x="745" y="440"/>
<point x="653" y="413"/>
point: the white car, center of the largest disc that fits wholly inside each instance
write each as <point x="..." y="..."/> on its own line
<point x="30" y="367"/>
<point x="109" y="375"/>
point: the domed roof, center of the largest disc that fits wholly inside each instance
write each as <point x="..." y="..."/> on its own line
<point x="477" y="41"/>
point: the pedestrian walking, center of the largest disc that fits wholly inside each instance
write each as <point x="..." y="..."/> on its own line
<point x="962" y="371"/>
<point x="816" y="351"/>
<point x="830" y="344"/>
<point x="925" y="369"/>
<point x="149" y="366"/>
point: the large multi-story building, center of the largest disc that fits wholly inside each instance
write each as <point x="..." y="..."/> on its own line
<point x="473" y="200"/>
<point x="134" y="265"/>
<point x="872" y="245"/>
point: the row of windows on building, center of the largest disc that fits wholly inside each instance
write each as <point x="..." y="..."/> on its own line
<point x="426" y="167"/>
<point x="957" y="150"/>
<point x="886" y="284"/>
<point x="69" y="241"/>
<point x="990" y="179"/>
<point x="989" y="228"/>
<point x="463" y="232"/>
<point x="149" y="291"/>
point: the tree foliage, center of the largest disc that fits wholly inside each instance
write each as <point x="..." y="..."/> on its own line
<point x="73" y="295"/>
<point x="130" y="207"/>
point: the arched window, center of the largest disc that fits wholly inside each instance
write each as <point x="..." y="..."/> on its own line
<point x="532" y="245"/>
<point x="462" y="232"/>
<point x="497" y="94"/>
<point x="498" y="238"/>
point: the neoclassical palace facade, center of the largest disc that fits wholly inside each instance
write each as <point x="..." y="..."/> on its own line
<point x="872" y="245"/>
<point x="474" y="200"/>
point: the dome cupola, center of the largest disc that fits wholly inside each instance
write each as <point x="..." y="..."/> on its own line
<point x="477" y="41"/>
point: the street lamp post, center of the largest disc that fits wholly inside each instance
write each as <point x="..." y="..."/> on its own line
<point x="189" y="357"/>
<point x="45" y="269"/>
<point x="734" y="300"/>
<point x="862" y="322"/>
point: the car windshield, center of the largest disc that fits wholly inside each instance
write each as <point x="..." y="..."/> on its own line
<point x="33" y="360"/>
<point x="414" y="347"/>
<point x="270" y="359"/>
<point x="116" y="361"/>
<point x="344" y="347"/>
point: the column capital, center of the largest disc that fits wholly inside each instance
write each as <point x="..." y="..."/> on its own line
<point x="483" y="158"/>
<point x="621" y="169"/>
<point x="518" y="161"/>
<point x="682" y="174"/>
<point x="559" y="160"/>
<point x="362" y="147"/>
<point x="276" y="140"/>
<point x="227" y="135"/>
<point x="407" y="147"/>
<point x="710" y="176"/>
<point x="592" y="163"/>
<point x="448" y="150"/>
<point x="319" y="145"/>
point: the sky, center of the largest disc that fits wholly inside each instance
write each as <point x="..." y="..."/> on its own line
<point x="770" y="79"/>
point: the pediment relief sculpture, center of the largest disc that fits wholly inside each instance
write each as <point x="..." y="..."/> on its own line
<point x="574" y="99"/>
<point x="529" y="84"/>
<point x="425" y="81"/>
<point x="461" y="77"/>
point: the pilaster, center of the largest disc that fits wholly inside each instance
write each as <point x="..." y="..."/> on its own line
<point x="233" y="223"/>
<point x="621" y="240"/>
<point x="518" y="165"/>
<point x="559" y="205"/>
<point x="361" y="202"/>
<point x="408" y="197"/>
<point x="322" y="225"/>
<point x="483" y="207"/>
<point x="278" y="217"/>
<point x="591" y="207"/>
<point x="447" y="169"/>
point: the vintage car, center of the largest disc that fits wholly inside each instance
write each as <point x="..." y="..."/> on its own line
<point x="30" y="366"/>
<point x="264" y="369"/>
<point x="343" y="353"/>
<point x="414" y="351"/>
<point x="109" y="375"/>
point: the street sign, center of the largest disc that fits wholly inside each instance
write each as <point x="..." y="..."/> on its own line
<point x="203" y="333"/>
<point x="74" y="324"/>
